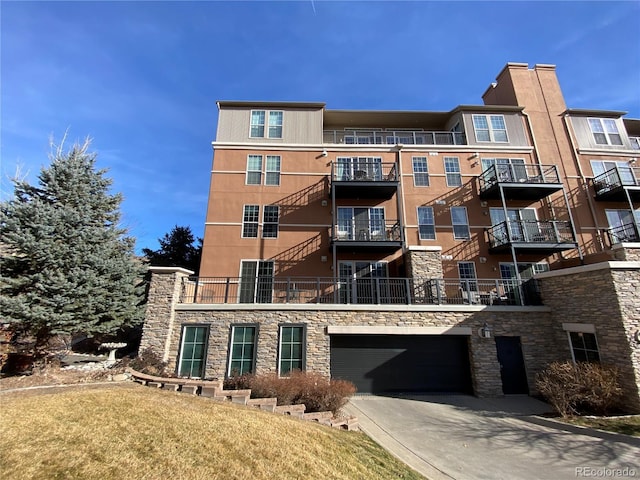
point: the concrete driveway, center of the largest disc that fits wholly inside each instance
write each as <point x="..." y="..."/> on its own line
<point x="463" y="437"/>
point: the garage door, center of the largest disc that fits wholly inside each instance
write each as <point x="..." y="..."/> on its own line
<point x="402" y="363"/>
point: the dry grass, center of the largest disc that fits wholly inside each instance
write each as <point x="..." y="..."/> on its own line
<point x="130" y="431"/>
<point x="629" y="425"/>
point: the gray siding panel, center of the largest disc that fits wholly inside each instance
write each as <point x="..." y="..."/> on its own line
<point x="585" y="138"/>
<point x="515" y="130"/>
<point x="303" y="125"/>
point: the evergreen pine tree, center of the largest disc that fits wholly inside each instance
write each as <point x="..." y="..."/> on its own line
<point x="67" y="267"/>
<point x="177" y="249"/>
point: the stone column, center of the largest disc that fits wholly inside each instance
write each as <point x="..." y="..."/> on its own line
<point x="164" y="294"/>
<point x="629" y="252"/>
<point x="424" y="262"/>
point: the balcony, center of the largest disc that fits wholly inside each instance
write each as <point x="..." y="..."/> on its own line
<point x="627" y="233"/>
<point x="389" y="137"/>
<point x="620" y="184"/>
<point x="521" y="182"/>
<point x="359" y="178"/>
<point x="531" y="236"/>
<point x="367" y="291"/>
<point x="377" y="236"/>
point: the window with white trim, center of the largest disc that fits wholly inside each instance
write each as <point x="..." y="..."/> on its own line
<point x="256" y="281"/>
<point x="584" y="347"/>
<point x="258" y="118"/>
<point x="420" y="172"/>
<point x="270" y="215"/>
<point x="460" y="223"/>
<point x="250" y="220"/>
<point x="452" y="171"/>
<point x="254" y="170"/>
<point x="272" y="170"/>
<point x="426" y="223"/>
<point x="291" y="348"/>
<point x="467" y="275"/>
<point x="490" y="128"/>
<point x="525" y="269"/>
<point x="242" y="351"/>
<point x="605" y="131"/>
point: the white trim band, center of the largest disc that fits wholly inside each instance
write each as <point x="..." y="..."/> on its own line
<point x="391" y="330"/>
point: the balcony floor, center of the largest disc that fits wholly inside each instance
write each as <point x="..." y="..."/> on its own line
<point x="534" y="248"/>
<point x="521" y="191"/>
<point x="364" y="189"/>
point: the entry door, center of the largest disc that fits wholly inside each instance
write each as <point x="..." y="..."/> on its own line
<point x="512" y="370"/>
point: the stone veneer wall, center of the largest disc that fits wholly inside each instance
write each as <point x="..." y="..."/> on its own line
<point x="163" y="296"/>
<point x="626" y="251"/>
<point x="609" y="299"/>
<point x="532" y="326"/>
<point x="423" y="263"/>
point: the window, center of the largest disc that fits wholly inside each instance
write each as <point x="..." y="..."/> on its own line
<point x="616" y="172"/>
<point x="258" y="117"/>
<point x="270" y="216"/>
<point x="242" y="356"/>
<point x="426" y="223"/>
<point x="358" y="168"/>
<point x="361" y="223"/>
<point x="275" y="124"/>
<point x="250" y="221"/>
<point x="622" y="227"/>
<point x="256" y="281"/>
<point x="521" y="225"/>
<point x="257" y="123"/>
<point x="291" y="348"/>
<point x="584" y="347"/>
<point x="526" y="270"/>
<point x="467" y="275"/>
<point x="272" y="174"/>
<point x="460" y="223"/>
<point x="420" y="172"/>
<point x="605" y="131"/>
<point x="452" y="169"/>
<point x="192" y="351"/>
<point x="506" y="169"/>
<point x="254" y="170"/>
<point x="490" y="128"/>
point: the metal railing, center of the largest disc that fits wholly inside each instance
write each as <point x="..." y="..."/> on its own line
<point x="376" y="231"/>
<point x="530" y="231"/>
<point x="357" y="170"/>
<point x="367" y="291"/>
<point x="616" y="177"/>
<point x="622" y="234"/>
<point x="514" y="173"/>
<point x="393" y="137"/>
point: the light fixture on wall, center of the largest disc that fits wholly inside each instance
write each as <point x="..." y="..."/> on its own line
<point x="485" y="331"/>
<point x="633" y="160"/>
<point x="483" y="259"/>
<point x="324" y="203"/>
<point x="324" y="153"/>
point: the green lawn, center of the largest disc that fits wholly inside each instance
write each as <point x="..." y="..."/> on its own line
<point x="130" y="431"/>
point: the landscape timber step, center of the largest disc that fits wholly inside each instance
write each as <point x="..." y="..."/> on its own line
<point x="267" y="404"/>
<point x="349" y="424"/>
<point x="318" y="416"/>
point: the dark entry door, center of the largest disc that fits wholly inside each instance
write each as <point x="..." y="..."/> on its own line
<point x="512" y="371"/>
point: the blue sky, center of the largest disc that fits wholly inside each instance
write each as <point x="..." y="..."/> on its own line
<point x="142" y="78"/>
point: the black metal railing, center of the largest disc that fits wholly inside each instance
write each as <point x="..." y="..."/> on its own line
<point x="376" y="231"/>
<point x="358" y="170"/>
<point x="618" y="176"/>
<point x="367" y="291"/>
<point x="522" y="174"/>
<point x="393" y="137"/>
<point x="624" y="233"/>
<point x="530" y="231"/>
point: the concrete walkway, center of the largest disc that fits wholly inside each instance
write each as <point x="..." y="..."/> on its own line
<point x="463" y="437"/>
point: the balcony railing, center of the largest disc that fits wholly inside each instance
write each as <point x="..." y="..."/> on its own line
<point x="387" y="137"/>
<point x="531" y="232"/>
<point x="376" y="231"/>
<point x="363" y="171"/>
<point x="622" y="234"/>
<point x="520" y="174"/>
<point x="616" y="178"/>
<point x="368" y="291"/>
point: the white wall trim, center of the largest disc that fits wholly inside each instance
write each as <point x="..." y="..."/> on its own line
<point x="620" y="246"/>
<point x="424" y="248"/>
<point x="579" y="327"/>
<point x="167" y="270"/>
<point x="391" y="330"/>
<point x="589" y="268"/>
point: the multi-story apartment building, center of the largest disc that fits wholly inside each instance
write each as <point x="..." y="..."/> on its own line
<point x="397" y="248"/>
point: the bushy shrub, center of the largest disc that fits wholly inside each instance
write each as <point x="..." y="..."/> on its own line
<point x="149" y="362"/>
<point x="317" y="392"/>
<point x="580" y="388"/>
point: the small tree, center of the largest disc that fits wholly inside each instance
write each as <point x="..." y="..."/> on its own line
<point x="68" y="267"/>
<point x="178" y="248"/>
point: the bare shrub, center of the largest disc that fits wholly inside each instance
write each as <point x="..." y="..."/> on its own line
<point x="580" y="388"/>
<point x="317" y="392"/>
<point x="149" y="362"/>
